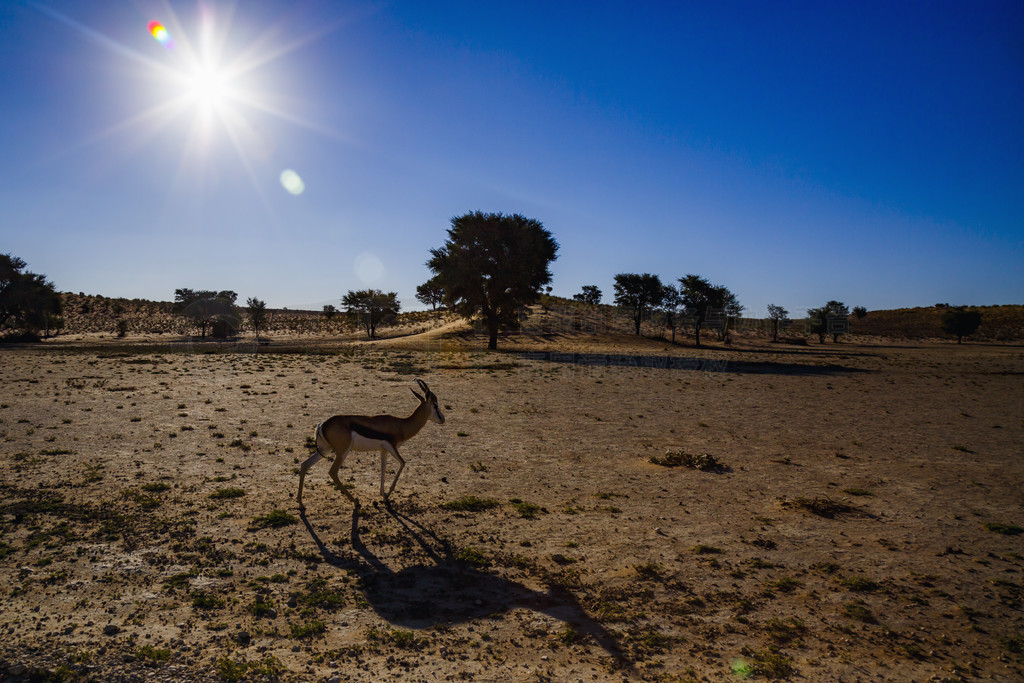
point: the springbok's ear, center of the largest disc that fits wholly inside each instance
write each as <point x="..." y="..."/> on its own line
<point x="422" y="400"/>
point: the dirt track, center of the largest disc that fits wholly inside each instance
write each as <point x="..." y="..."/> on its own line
<point x="149" y="527"/>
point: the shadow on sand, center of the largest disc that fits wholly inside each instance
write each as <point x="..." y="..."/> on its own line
<point x="447" y="591"/>
<point x="714" y="365"/>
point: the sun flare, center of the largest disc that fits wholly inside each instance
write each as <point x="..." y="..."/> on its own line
<point x="208" y="86"/>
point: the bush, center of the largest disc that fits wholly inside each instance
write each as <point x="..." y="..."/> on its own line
<point x="703" y="461"/>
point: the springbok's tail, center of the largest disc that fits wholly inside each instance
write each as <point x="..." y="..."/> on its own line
<point x="322" y="445"/>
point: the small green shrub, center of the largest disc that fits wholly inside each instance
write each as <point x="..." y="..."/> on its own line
<point x="207" y="601"/>
<point x="706" y="550"/>
<point x="153" y="654"/>
<point x="1005" y="529"/>
<point x="472" y="556"/>
<point x="702" y="461"/>
<point x="526" y="510"/>
<point x="470" y="504"/>
<point x="274" y="519"/>
<point x="260" y="607"/>
<point x="860" y="584"/>
<point x="311" y="629"/>
<point x="226" y="493"/>
<point x="856" y="610"/>
<point x="772" y="664"/>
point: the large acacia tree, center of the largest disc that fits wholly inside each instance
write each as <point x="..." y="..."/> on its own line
<point x="493" y="264"/>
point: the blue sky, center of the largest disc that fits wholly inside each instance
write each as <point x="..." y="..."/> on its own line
<point x="795" y="152"/>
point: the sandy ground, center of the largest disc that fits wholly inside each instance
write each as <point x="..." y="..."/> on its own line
<point x="864" y="522"/>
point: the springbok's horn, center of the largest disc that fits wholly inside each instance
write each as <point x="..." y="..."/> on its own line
<point x="424" y="387"/>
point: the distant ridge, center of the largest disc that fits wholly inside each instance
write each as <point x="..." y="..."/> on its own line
<point x="998" y="323"/>
<point x="84" y="314"/>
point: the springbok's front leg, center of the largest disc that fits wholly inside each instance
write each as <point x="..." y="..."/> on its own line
<point x="393" y="450"/>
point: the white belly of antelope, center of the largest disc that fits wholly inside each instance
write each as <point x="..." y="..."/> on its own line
<point x="363" y="443"/>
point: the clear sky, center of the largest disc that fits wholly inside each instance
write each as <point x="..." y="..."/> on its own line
<point x="870" y="152"/>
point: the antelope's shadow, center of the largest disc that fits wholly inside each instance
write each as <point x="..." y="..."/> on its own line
<point x="448" y="591"/>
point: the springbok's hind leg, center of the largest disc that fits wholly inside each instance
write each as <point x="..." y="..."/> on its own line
<point x="303" y="468"/>
<point x="339" y="460"/>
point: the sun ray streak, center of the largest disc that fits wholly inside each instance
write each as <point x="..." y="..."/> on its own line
<point x="161" y="114"/>
<point x="258" y="55"/>
<point x="102" y="40"/>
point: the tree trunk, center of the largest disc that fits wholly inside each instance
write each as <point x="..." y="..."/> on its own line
<point x="696" y="330"/>
<point x="492" y="334"/>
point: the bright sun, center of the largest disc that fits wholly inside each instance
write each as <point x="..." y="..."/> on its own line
<point x="208" y="86"/>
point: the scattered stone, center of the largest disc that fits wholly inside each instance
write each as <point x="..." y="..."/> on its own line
<point x="111" y="630"/>
<point x="17" y="670"/>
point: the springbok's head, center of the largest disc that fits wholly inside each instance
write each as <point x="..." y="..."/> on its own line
<point x="430" y="399"/>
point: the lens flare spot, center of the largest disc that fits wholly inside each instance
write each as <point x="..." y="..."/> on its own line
<point x="369" y="268"/>
<point x="159" y="32"/>
<point x="291" y="181"/>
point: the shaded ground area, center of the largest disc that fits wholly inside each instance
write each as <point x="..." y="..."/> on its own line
<point x="860" y="516"/>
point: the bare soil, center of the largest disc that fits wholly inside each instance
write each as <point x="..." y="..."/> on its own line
<point x="859" y="518"/>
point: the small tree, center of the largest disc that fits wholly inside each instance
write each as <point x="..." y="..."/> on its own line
<point x="671" y="301"/>
<point x="860" y="312"/>
<point x="430" y="293"/>
<point x="696" y="295"/>
<point x="257" y="312"/>
<point x="493" y="265"/>
<point x="590" y="295"/>
<point x="206" y="307"/>
<point x="639" y="293"/>
<point x="727" y="302"/>
<point x="370" y="306"/>
<point x="822" y="321"/>
<point x="27" y="300"/>
<point x="960" y="322"/>
<point x="329" y="311"/>
<point x="776" y="314"/>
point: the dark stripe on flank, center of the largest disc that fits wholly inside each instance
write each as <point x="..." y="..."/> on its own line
<point x="368" y="433"/>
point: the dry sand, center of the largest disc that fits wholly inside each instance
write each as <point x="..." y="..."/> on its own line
<point x="864" y="523"/>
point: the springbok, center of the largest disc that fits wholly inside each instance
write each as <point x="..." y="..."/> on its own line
<point x="385" y="433"/>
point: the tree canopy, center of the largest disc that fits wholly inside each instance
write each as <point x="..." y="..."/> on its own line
<point x="493" y="265"/>
<point x="370" y="307"/>
<point x="207" y="307"/>
<point x="590" y="294"/>
<point x="960" y="322"/>
<point x="430" y="293"/>
<point x="705" y="302"/>
<point x="832" y="318"/>
<point x="257" y="312"/>
<point x="27" y="300"/>
<point x="776" y="314"/>
<point x="639" y="293"/>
